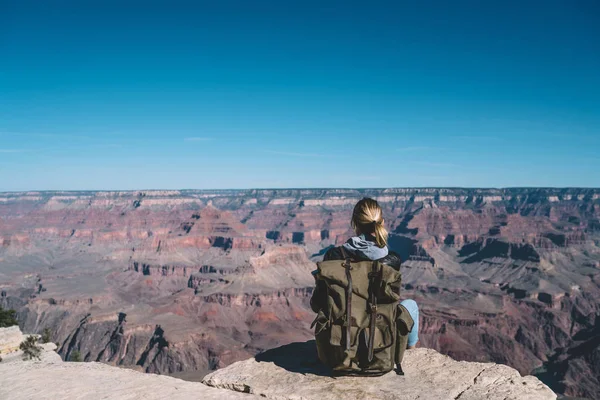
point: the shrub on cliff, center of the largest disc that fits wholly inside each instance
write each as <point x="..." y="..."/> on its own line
<point x="30" y="348"/>
<point x="46" y="335"/>
<point x="7" y="318"/>
<point x="75" y="356"/>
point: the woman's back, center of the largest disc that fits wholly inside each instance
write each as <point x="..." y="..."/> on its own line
<point x="369" y="244"/>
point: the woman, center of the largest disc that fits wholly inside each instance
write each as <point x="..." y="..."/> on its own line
<point x="370" y="243"/>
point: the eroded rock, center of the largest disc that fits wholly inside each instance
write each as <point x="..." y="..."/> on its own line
<point x="293" y="372"/>
<point x="10" y="339"/>
<point x="51" y="378"/>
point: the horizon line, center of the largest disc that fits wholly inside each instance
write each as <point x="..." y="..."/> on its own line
<point x="308" y="188"/>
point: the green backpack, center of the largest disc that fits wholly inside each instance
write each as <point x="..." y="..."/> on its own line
<point x="360" y="327"/>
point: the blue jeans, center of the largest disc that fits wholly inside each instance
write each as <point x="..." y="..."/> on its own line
<point x="413" y="310"/>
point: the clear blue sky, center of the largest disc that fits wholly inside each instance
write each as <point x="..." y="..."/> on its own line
<point x="239" y="94"/>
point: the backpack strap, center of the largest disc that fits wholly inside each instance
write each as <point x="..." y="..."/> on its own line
<point x="374" y="282"/>
<point x="343" y="253"/>
<point x="348" y="268"/>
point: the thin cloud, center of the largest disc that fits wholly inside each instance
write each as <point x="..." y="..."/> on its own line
<point x="46" y="135"/>
<point x="108" y="145"/>
<point x="589" y="159"/>
<point x="573" y="136"/>
<point x="60" y="136"/>
<point x="355" y="178"/>
<point x="416" y="148"/>
<point x="86" y="147"/>
<point x="62" y="148"/>
<point x="365" y="178"/>
<point x="197" y="139"/>
<point x="435" y="164"/>
<point x="434" y="177"/>
<point x="292" y="154"/>
<point x="477" y="137"/>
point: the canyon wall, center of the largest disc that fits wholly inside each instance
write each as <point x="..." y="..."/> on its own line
<point x="186" y="282"/>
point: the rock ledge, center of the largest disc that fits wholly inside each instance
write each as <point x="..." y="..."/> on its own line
<point x="293" y="373"/>
<point x="289" y="372"/>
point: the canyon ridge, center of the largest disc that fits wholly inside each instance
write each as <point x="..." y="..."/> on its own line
<point x="186" y="282"/>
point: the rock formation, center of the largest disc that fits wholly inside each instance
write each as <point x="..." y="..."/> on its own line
<point x="10" y="339"/>
<point x="51" y="378"/>
<point x="294" y="372"/>
<point x="185" y="282"/>
<point x="287" y="373"/>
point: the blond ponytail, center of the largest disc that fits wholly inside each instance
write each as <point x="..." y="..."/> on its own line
<point x="381" y="235"/>
<point x="367" y="218"/>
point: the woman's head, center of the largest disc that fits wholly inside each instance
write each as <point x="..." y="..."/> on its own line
<point x="367" y="219"/>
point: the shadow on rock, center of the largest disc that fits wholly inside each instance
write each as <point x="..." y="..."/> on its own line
<point x="300" y="357"/>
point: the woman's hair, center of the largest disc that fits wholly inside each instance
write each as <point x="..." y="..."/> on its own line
<point x="367" y="218"/>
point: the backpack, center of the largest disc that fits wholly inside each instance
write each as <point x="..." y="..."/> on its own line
<point x="360" y="328"/>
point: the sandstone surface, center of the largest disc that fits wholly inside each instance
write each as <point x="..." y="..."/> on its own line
<point x="10" y="339"/>
<point x="51" y="378"/>
<point x="293" y="372"/>
<point x="39" y="380"/>
<point x="290" y="372"/>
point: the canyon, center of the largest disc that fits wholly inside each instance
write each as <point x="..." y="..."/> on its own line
<point x="183" y="283"/>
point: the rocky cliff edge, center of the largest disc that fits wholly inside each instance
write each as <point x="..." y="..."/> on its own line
<point x="288" y="372"/>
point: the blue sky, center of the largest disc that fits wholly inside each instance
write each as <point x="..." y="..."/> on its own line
<point x="243" y="94"/>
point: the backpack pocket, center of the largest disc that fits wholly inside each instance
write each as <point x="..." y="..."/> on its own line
<point x="404" y="324"/>
<point x="338" y="335"/>
<point x="383" y="350"/>
<point x="404" y="321"/>
<point x="320" y="323"/>
<point x="384" y="336"/>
